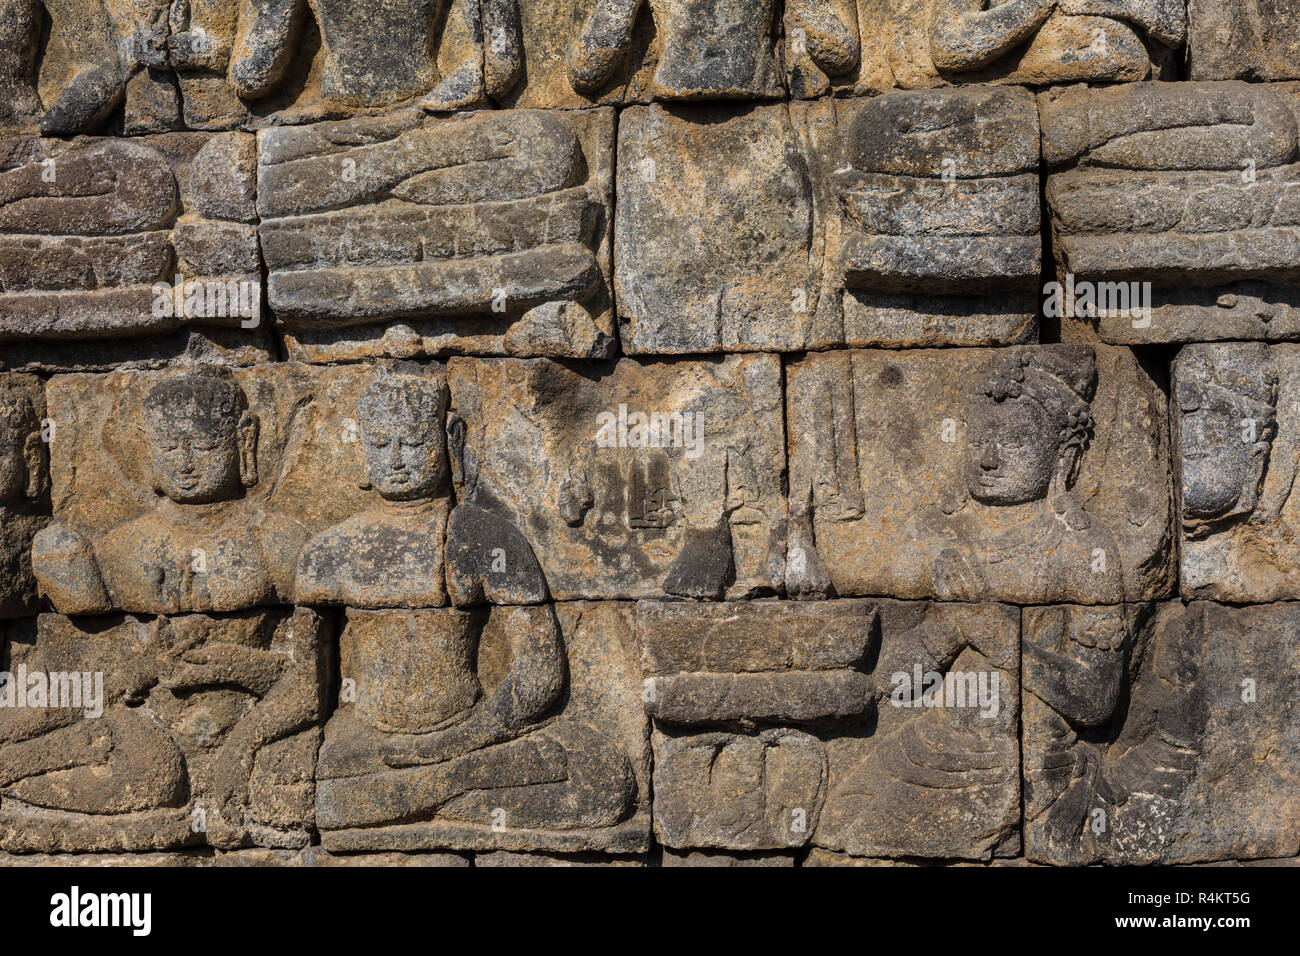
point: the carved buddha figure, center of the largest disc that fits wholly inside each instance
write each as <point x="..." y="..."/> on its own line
<point x="23" y="490"/>
<point x="374" y="55"/>
<point x="203" y="546"/>
<point x="189" y="703"/>
<point x="1016" y="522"/>
<point x="1227" y="414"/>
<point x="424" y="741"/>
<point x="710" y="49"/>
<point x="1066" y="40"/>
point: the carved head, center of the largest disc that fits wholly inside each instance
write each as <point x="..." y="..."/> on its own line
<point x="402" y="417"/>
<point x="202" y="437"/>
<point x="1227" y="404"/>
<point x="23" y="471"/>
<point x="1030" y="425"/>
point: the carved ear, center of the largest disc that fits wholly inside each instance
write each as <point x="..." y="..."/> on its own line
<point x="247" y="439"/>
<point x="37" y="474"/>
<point x="456" y="447"/>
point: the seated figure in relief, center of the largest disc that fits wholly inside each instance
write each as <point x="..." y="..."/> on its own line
<point x="1016" y="528"/>
<point x="423" y="741"/>
<point x="202" y="547"/>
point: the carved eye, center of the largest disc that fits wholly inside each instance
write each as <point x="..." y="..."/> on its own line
<point x="380" y="442"/>
<point x="413" y="442"/>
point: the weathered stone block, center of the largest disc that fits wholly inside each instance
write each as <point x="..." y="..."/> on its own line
<point x="505" y="858"/>
<point x="1161" y="734"/>
<point x="938" y="775"/>
<point x="630" y="480"/>
<point x="1173" y="210"/>
<point x="676" y="858"/>
<point x="72" y="67"/>
<point x="737" y="791"/>
<point x="870" y="772"/>
<point x="1041" y="42"/>
<point x="405" y="236"/>
<point x="1235" y="430"/>
<point x="129" y="251"/>
<point x="1242" y="39"/>
<point x="911" y="219"/>
<point x="939" y="239"/>
<point x="1033" y="474"/>
<point x="194" y="490"/>
<point x="161" y="733"/>
<point x="513" y="728"/>
<point x="24" y="489"/>
<point x="778" y="663"/>
<point x="290" y="61"/>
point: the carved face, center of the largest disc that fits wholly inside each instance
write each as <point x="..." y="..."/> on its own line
<point x="193" y="461"/>
<point x="1220" y="460"/>
<point x="1012" y="452"/>
<point x="402" y="436"/>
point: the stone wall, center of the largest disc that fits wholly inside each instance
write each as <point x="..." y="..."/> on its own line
<point x="697" y="432"/>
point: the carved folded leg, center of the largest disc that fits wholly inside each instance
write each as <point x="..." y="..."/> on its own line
<point x="19" y="31"/>
<point x="262" y="56"/>
<point x="121" y="763"/>
<point x="603" y="43"/>
<point x="598" y="789"/>
<point x="1162" y="20"/>
<point x="935" y="774"/>
<point x="967" y="36"/>
<point x="488" y="156"/>
<point x="566" y="775"/>
<point x="99" y="82"/>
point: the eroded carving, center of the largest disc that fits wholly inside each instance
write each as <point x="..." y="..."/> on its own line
<point x="1234" y="426"/>
<point x="203" y="731"/>
<point x="1143" y="725"/>
<point x="1010" y="474"/>
<point x="1172" y="211"/>
<point x="24" y="488"/>
<point x="117" y="251"/>
<point x="483" y="233"/>
<point x="631" y="480"/>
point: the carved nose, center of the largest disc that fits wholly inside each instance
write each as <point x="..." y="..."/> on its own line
<point x="396" y="456"/>
<point x="989" y="459"/>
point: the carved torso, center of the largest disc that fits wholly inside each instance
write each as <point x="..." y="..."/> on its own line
<point x="223" y="557"/>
